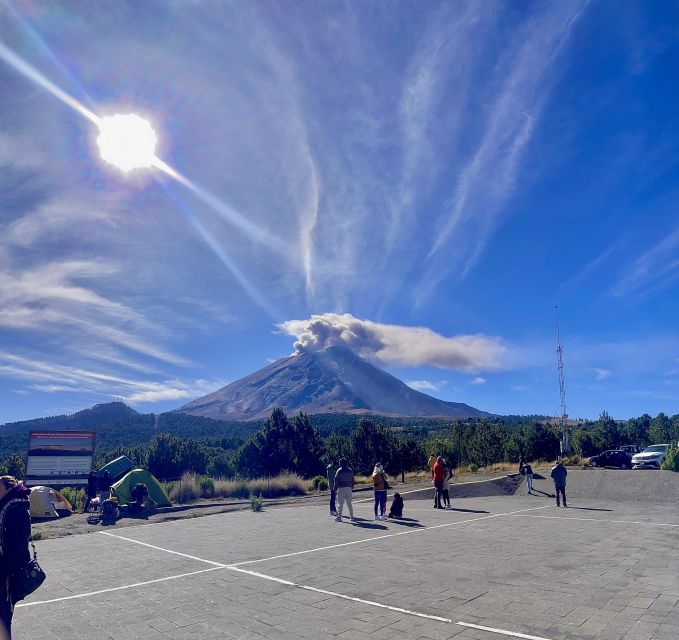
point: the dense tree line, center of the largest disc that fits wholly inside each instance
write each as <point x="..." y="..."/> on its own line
<point x="175" y="443"/>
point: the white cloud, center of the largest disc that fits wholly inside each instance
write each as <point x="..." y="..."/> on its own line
<point x="478" y="380"/>
<point x="51" y="377"/>
<point x="426" y="385"/>
<point x="519" y="388"/>
<point x="601" y="374"/>
<point x="397" y="345"/>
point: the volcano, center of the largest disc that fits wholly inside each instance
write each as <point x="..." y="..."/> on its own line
<point x="334" y="380"/>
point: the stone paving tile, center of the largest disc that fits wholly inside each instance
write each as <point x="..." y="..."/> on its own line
<point x="564" y="580"/>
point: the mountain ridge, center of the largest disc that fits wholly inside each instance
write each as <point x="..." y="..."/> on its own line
<point x="334" y="380"/>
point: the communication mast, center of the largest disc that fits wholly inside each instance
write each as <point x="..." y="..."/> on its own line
<point x="563" y="420"/>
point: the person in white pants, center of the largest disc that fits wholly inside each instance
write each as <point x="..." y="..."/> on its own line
<point x="344" y="485"/>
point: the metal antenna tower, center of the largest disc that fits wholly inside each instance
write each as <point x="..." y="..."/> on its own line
<point x="563" y="420"/>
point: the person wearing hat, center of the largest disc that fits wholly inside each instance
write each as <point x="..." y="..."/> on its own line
<point x="437" y="479"/>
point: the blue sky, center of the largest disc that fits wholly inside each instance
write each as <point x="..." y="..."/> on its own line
<point x="420" y="181"/>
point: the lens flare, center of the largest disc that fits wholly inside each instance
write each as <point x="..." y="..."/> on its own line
<point x="127" y="141"/>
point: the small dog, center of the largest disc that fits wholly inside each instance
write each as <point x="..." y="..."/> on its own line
<point x="396" y="509"/>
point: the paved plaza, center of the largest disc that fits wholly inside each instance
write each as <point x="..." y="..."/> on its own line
<point x="495" y="567"/>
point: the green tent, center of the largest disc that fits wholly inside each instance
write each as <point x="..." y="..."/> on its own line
<point x="123" y="488"/>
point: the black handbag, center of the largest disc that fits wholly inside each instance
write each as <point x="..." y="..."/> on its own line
<point x="27" y="579"/>
<point x="386" y="483"/>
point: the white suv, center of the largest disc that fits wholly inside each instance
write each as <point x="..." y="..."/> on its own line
<point x="652" y="456"/>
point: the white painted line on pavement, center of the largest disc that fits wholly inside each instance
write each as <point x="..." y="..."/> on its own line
<point x="386" y="535"/>
<point x="514" y="634"/>
<point x="152" y="546"/>
<point x="236" y="566"/>
<point x="127" y="586"/>
<point x="381" y="605"/>
<point x="649" y="524"/>
<point x="340" y="595"/>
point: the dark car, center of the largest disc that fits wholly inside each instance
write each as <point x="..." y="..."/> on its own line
<point x="613" y="458"/>
<point x="630" y="448"/>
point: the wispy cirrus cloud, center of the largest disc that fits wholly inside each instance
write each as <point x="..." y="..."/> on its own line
<point x="655" y="269"/>
<point x="523" y="82"/>
<point x="49" y="377"/>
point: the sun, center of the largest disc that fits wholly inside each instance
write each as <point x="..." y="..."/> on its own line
<point x="127" y="141"/>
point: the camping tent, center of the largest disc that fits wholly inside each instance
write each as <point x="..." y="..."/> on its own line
<point x="117" y="468"/>
<point x="48" y="503"/>
<point x="123" y="488"/>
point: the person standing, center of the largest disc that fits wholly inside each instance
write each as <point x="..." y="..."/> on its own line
<point x="527" y="472"/>
<point x="431" y="462"/>
<point x="105" y="486"/>
<point x="344" y="484"/>
<point x="92" y="482"/>
<point x="558" y="474"/>
<point x="330" y="471"/>
<point x="437" y="479"/>
<point x="15" y="531"/>
<point x="380" y="485"/>
<point x="447" y="477"/>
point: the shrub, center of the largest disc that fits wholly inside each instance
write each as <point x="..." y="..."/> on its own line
<point x="323" y="485"/>
<point x="256" y="503"/>
<point x="186" y="489"/>
<point x="473" y="468"/>
<point x="76" y="497"/>
<point x="232" y="489"/>
<point x="671" y="462"/>
<point x="207" y="487"/>
<point x="317" y="481"/>
<point x="288" y="484"/>
<point x="38" y="535"/>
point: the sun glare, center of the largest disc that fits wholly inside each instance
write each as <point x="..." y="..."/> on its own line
<point x="127" y="141"/>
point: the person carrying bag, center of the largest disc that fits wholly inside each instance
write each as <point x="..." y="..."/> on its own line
<point x="20" y="575"/>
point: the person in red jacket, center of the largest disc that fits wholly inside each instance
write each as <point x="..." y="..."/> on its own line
<point x="437" y="478"/>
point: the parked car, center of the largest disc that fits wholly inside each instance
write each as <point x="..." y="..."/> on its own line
<point x="652" y="457"/>
<point x="613" y="458"/>
<point x="630" y="448"/>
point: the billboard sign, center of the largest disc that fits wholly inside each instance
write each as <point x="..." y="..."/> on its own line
<point x="59" y="457"/>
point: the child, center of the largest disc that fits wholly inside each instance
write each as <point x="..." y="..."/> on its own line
<point x="396" y="509"/>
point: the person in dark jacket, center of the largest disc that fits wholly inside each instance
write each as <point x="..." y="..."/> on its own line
<point x="558" y="474"/>
<point x="105" y="483"/>
<point x="15" y="530"/>
<point x="396" y="510"/>
<point x="344" y="485"/>
<point x="527" y="472"/>
<point x="92" y="483"/>
<point x="330" y="472"/>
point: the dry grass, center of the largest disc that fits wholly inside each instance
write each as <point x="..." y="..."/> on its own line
<point x="191" y="487"/>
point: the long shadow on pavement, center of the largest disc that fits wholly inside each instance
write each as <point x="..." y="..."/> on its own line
<point x="406" y="522"/>
<point x="468" y="510"/>
<point x="367" y="524"/>
<point x="590" y="509"/>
